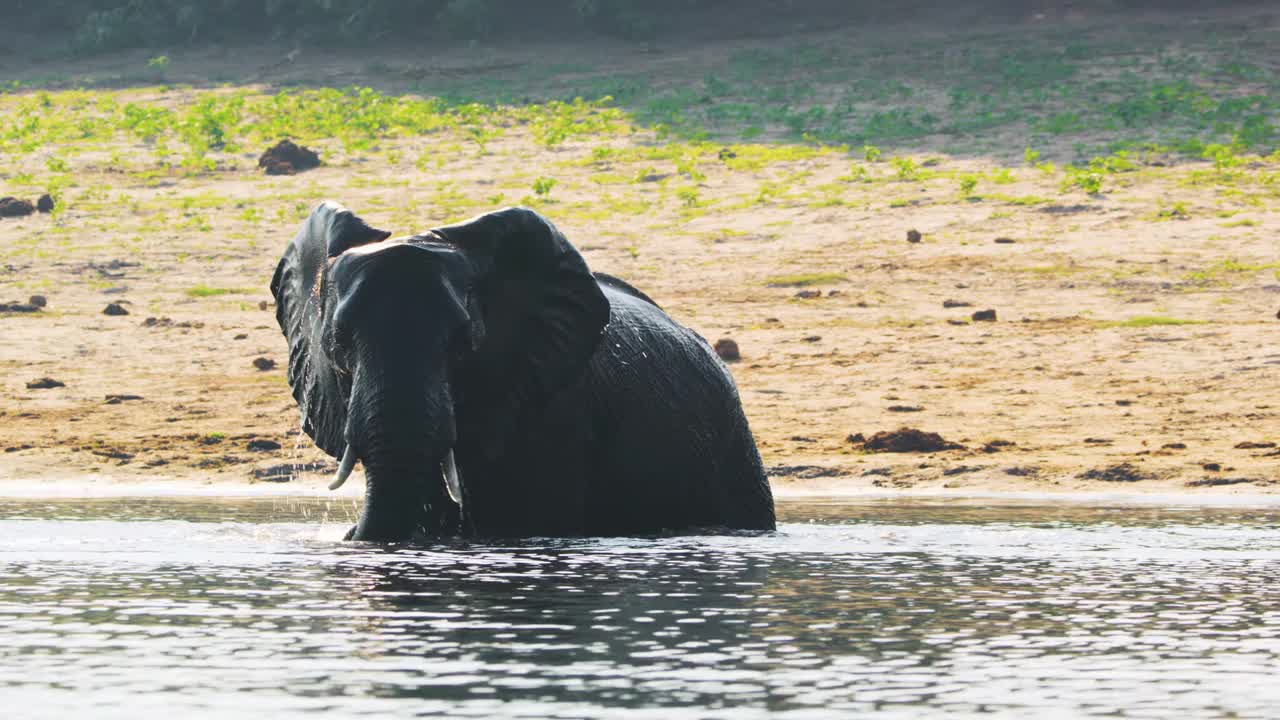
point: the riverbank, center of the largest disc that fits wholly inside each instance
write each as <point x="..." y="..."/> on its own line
<point x="1133" y="289"/>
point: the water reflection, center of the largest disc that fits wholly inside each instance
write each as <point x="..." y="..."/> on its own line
<point x="874" y="609"/>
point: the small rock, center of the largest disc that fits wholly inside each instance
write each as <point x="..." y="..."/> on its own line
<point x="956" y="303"/>
<point x="994" y="446"/>
<point x="38" y="301"/>
<point x="263" y="445"/>
<point x="812" y="338"/>
<point x="807" y="294"/>
<point x="1124" y="403"/>
<point x="1250" y="445"/>
<point x="727" y="154"/>
<point x="905" y="408"/>
<point x="856" y="438"/>
<point x="241" y="336"/>
<point x="1098" y="441"/>
<point x="1212" y="466"/>
<point x="45" y="203"/>
<point x="914" y="236"/>
<point x="984" y="316"/>
<point x="1174" y="446"/>
<point x="13" y="207"/>
<point x="115" y="308"/>
<point x="19" y="307"/>
<point x="727" y="350"/>
<point x="45" y="383"/>
<point x="263" y="363"/>
<point x="1005" y="241"/>
<point x="117" y="399"/>
<point x="263" y="305"/>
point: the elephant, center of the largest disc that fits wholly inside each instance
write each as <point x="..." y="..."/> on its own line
<point x="493" y="386"/>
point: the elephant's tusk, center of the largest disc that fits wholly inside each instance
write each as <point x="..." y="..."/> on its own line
<point x="451" y="481"/>
<point x="344" y="468"/>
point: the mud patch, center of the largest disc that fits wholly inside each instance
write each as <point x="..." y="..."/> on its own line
<point x="906" y="440"/>
<point x="1124" y="472"/>
<point x="13" y="207"/>
<point x="288" y="158"/>
<point x="804" y="472"/>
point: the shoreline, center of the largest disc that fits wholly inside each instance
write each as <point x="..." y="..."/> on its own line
<point x="109" y="488"/>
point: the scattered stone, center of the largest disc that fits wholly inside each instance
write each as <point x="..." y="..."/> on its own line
<point x="13" y="207"/>
<point x="241" y="336"/>
<point x="801" y="438"/>
<point x="285" y="473"/>
<point x="834" y="293"/>
<point x="263" y="445"/>
<point x="807" y="294"/>
<point x="1215" y="481"/>
<point x="956" y="303"/>
<point x="953" y="321"/>
<point x="907" y="439"/>
<point x="906" y="408"/>
<point x="263" y="305"/>
<point x="1212" y="466"/>
<point x="1098" y="441"/>
<point x="961" y="469"/>
<point x="1174" y="446"/>
<point x="117" y="399"/>
<point x="1067" y="209"/>
<point x="45" y="203"/>
<point x="263" y="363"/>
<point x="114" y="455"/>
<point x="727" y="154"/>
<point x="855" y="438"/>
<point x="212" y="439"/>
<point x="45" y="383"/>
<point x="115" y="308"/>
<point x="878" y="471"/>
<point x="288" y="158"/>
<point x="167" y="322"/>
<point x="1249" y="445"/>
<point x="1124" y="472"/>
<point x="1021" y="471"/>
<point x="727" y="350"/>
<point x="995" y="446"/>
<point x="984" y="316"/>
<point x="38" y="301"/>
<point x="812" y="338"/>
<point x="19" y="307"/>
<point x="1005" y="241"/>
<point x="914" y="236"/>
<point x="1124" y="403"/>
<point x="804" y="472"/>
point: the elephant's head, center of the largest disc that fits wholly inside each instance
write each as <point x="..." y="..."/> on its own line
<point x="390" y="339"/>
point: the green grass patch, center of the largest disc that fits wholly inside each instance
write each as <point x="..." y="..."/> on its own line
<point x="204" y="291"/>
<point x="1146" y="321"/>
<point x="805" y="280"/>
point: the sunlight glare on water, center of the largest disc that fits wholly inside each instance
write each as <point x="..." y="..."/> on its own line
<point x="197" y="607"/>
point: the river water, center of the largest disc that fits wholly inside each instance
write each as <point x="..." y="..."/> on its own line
<point x="197" y="607"/>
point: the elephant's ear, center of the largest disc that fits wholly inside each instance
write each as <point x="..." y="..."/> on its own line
<point x="330" y="230"/>
<point x="543" y="311"/>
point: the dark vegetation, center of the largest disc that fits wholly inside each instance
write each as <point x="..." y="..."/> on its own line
<point x="115" y="24"/>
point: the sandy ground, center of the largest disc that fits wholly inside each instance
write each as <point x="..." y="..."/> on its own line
<point x="1063" y="392"/>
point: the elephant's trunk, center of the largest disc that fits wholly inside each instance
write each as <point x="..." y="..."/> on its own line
<point x="403" y="439"/>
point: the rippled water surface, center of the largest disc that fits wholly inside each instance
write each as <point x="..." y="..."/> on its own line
<point x="195" y="607"/>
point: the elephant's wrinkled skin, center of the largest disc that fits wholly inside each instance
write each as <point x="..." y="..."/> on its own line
<point x="569" y="403"/>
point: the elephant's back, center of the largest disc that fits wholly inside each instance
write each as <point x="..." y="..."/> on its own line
<point x="664" y="401"/>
